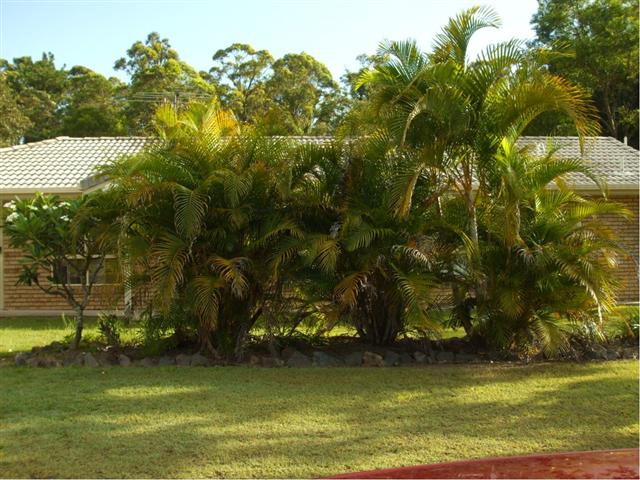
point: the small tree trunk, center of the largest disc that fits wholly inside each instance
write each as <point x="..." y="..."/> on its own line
<point x="79" y="327"/>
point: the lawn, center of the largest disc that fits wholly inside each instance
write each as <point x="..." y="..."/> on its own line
<point x="243" y="422"/>
<point x="19" y="334"/>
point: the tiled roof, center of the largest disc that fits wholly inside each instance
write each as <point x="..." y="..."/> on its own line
<point x="609" y="159"/>
<point x="65" y="163"/>
<point x="61" y="163"/>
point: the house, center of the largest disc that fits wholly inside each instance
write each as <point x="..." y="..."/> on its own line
<point x="65" y="166"/>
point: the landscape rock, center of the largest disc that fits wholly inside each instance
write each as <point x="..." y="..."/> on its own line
<point x="288" y="352"/>
<point x="297" y="359"/>
<point x="420" y="357"/>
<point x="106" y="360"/>
<point x="90" y="360"/>
<point x="630" y="352"/>
<point x="456" y="344"/>
<point x="49" y="361"/>
<point x="183" y="360"/>
<point x="405" y="359"/>
<point x="321" y="359"/>
<point x="271" y="362"/>
<point x="596" y="352"/>
<point x="199" y="360"/>
<point x="445" y="357"/>
<point x="166" y="361"/>
<point x="370" y="359"/>
<point x="72" y="359"/>
<point x="33" y="362"/>
<point x="146" y="362"/>
<point x="21" y="359"/>
<point x="254" y="360"/>
<point x="55" y="347"/>
<point x="391" y="358"/>
<point x="466" y="358"/>
<point x="123" y="360"/>
<point x="354" y="359"/>
<point x="612" y="355"/>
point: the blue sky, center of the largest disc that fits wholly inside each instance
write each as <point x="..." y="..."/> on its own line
<point x="95" y="33"/>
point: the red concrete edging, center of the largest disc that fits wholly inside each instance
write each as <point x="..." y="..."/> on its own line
<point x="621" y="463"/>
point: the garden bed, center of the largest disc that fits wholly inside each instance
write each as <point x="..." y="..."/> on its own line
<point x="338" y="352"/>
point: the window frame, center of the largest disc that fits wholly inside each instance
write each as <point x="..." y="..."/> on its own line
<point x="80" y="257"/>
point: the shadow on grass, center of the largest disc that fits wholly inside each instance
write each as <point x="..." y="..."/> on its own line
<point x="233" y="422"/>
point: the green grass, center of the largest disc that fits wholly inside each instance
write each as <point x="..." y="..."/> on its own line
<point x="243" y="422"/>
<point x="19" y="334"/>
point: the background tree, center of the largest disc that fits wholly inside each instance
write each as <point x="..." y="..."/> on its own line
<point x="39" y="88"/>
<point x="65" y="245"/>
<point x="157" y="76"/>
<point x="240" y="73"/>
<point x="92" y="105"/>
<point x="14" y="122"/>
<point x="595" y="44"/>
<point x="303" y="97"/>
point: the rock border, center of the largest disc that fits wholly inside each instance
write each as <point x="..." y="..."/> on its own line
<point x="54" y="355"/>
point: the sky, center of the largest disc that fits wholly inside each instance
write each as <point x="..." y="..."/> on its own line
<point x="95" y="33"/>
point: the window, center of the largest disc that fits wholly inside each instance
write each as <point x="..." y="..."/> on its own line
<point x="108" y="274"/>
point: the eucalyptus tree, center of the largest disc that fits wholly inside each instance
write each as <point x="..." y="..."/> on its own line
<point x="38" y="87"/>
<point x="240" y="73"/>
<point x="303" y="97"/>
<point x="158" y="76"/>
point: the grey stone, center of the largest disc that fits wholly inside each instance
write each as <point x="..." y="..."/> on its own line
<point x="354" y="359"/>
<point x="123" y="360"/>
<point x="49" y="361"/>
<point x="271" y="362"/>
<point x="445" y="356"/>
<point x="21" y="359"/>
<point x="56" y="347"/>
<point x="199" y="360"/>
<point x="405" y="359"/>
<point x="106" y="360"/>
<point x="321" y="359"/>
<point x="90" y="360"/>
<point x="166" y="361"/>
<point x="72" y="359"/>
<point x="183" y="360"/>
<point x="391" y="358"/>
<point x="145" y="362"/>
<point x="630" y="352"/>
<point x="297" y="359"/>
<point x="420" y="357"/>
<point x="33" y="362"/>
<point x="254" y="360"/>
<point x="370" y="359"/>
<point x="612" y="355"/>
<point x="466" y="358"/>
<point x="288" y="352"/>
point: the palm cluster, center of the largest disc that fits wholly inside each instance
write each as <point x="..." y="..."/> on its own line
<point x="226" y="227"/>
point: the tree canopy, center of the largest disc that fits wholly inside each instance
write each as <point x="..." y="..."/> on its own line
<point x="594" y="43"/>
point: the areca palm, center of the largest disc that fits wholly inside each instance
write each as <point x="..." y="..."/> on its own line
<point x="379" y="269"/>
<point x="456" y="121"/>
<point x="546" y="256"/>
<point x="205" y="218"/>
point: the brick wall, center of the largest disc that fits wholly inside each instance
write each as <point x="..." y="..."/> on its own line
<point x="626" y="231"/>
<point x="23" y="297"/>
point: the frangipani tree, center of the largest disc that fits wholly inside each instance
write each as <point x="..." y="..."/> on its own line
<point x="65" y="245"/>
